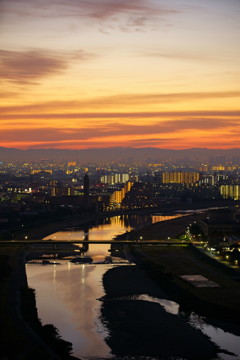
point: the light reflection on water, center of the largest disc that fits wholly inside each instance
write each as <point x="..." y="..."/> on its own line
<point x="224" y="340"/>
<point x="157" y="218"/>
<point x="168" y="305"/>
<point x="67" y="295"/>
<point x="116" y="225"/>
<point x="109" y="228"/>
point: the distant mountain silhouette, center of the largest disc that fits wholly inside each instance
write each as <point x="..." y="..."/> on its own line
<point x="127" y="154"/>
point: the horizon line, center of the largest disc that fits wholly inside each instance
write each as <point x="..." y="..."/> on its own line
<point x="120" y="147"/>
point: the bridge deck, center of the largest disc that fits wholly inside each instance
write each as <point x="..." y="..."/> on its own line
<point x="82" y="242"/>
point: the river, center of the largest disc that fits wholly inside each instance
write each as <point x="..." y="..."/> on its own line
<point x="69" y="295"/>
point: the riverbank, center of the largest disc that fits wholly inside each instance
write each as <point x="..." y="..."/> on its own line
<point x="167" y="264"/>
<point x="164" y="230"/>
<point x="40" y="229"/>
<point x="22" y="335"/>
<point x="144" y="328"/>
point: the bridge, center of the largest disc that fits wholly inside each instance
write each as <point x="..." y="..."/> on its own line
<point x="84" y="242"/>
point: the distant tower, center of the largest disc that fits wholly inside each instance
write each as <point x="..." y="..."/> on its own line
<point x="86" y="191"/>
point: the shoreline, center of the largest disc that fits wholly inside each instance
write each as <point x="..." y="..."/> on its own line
<point x="40" y="230"/>
<point x="23" y="336"/>
<point x="166" y="265"/>
<point x="109" y="310"/>
<point x="143" y="328"/>
<point x="162" y="230"/>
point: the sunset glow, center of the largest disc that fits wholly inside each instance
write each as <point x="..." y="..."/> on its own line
<point x="87" y="74"/>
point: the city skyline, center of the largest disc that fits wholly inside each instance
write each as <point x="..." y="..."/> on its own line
<point x="96" y="74"/>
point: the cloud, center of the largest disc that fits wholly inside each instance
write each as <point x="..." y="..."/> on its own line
<point x="123" y="99"/>
<point x="27" y="67"/>
<point x="92" y="8"/>
<point x="11" y="114"/>
<point x="123" y="14"/>
<point x="9" y="94"/>
<point x="166" y="97"/>
<point x="152" y="140"/>
<point x="179" y="55"/>
<point x="117" y="130"/>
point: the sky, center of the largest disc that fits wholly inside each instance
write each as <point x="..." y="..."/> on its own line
<point x="131" y="73"/>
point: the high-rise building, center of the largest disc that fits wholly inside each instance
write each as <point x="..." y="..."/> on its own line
<point x="230" y="191"/>
<point x="112" y="179"/>
<point x="218" y="167"/>
<point x="72" y="163"/>
<point x="118" y="196"/>
<point x="39" y="171"/>
<point x="180" y="177"/>
<point x="203" y="168"/>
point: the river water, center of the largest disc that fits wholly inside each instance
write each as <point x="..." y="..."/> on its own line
<point x="68" y="294"/>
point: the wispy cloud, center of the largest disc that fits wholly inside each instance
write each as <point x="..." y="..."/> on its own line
<point x="123" y="99"/>
<point x="125" y="115"/>
<point x="155" y="131"/>
<point x="28" y="67"/>
<point x="179" y="55"/>
<point x="137" y="14"/>
<point x="93" y="8"/>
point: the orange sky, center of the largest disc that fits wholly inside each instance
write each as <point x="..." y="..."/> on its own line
<point x="83" y="74"/>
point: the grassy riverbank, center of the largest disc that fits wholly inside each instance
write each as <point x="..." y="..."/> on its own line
<point x="164" y="230"/>
<point x="167" y="264"/>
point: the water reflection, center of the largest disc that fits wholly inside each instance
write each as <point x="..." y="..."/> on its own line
<point x="67" y="294"/>
<point x="157" y="218"/>
<point x="222" y="338"/>
<point x="67" y="297"/>
<point x="106" y="229"/>
<point x="110" y="227"/>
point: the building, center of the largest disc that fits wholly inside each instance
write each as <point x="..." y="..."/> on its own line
<point x="72" y="163"/>
<point x="218" y="224"/>
<point x="112" y="179"/>
<point x="140" y="196"/>
<point x="118" y="195"/>
<point x="180" y="177"/>
<point x="203" y="168"/>
<point x="218" y="167"/>
<point x="62" y="191"/>
<point x="41" y="172"/>
<point x="230" y="191"/>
